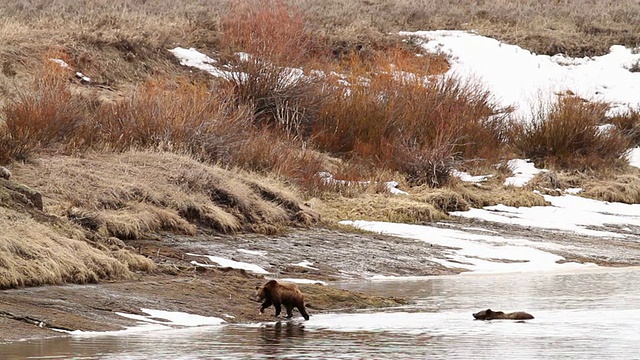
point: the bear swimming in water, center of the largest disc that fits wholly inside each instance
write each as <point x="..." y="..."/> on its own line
<point x="499" y="315"/>
<point x="280" y="293"/>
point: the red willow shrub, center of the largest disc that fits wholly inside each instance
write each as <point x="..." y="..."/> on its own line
<point x="567" y="135"/>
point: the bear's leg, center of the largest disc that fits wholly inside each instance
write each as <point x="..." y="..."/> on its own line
<point x="265" y="305"/>
<point x="278" y="308"/>
<point x="303" y="312"/>
<point x="289" y="311"/>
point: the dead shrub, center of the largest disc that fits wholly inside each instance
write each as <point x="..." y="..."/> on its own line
<point x="386" y="115"/>
<point x="629" y="124"/>
<point x="281" y="97"/>
<point x="45" y="115"/>
<point x="426" y="166"/>
<point x="567" y="136"/>
<point x="271" y="30"/>
<point x="185" y="116"/>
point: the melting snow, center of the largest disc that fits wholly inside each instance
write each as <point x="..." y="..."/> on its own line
<point x="566" y="213"/>
<point x="479" y="253"/>
<point x="523" y="172"/>
<point x="522" y="79"/>
<point x="230" y="263"/>
<point x="155" y="320"/>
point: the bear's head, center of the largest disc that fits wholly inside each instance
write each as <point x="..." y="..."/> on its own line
<point x="484" y="314"/>
<point x="261" y="293"/>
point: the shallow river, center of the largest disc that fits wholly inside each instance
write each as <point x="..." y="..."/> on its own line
<point x="582" y="315"/>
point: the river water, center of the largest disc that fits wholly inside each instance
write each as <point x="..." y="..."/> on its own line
<point x="579" y="315"/>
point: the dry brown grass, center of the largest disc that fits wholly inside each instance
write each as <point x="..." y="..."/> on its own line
<point x="609" y="186"/>
<point x="35" y="253"/>
<point x="423" y="204"/>
<point x="494" y="194"/>
<point x="380" y="207"/>
<point x="136" y="193"/>
<point x="121" y="41"/>
<point x="624" y="188"/>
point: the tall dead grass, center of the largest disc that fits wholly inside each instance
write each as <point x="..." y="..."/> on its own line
<point x="43" y="116"/>
<point x="272" y="30"/>
<point x="33" y="253"/>
<point x="629" y="124"/>
<point x="183" y="116"/>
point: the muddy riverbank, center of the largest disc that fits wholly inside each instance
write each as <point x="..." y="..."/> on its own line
<point x="222" y="292"/>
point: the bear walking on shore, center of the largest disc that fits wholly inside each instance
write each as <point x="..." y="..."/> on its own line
<point x="499" y="315"/>
<point x="280" y="293"/>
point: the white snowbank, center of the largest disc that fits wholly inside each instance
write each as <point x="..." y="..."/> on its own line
<point x="466" y="177"/>
<point x="523" y="172"/>
<point x="193" y="58"/>
<point x="305" y="264"/>
<point x="634" y="157"/>
<point x="303" y="281"/>
<point x="522" y="79"/>
<point x="173" y="318"/>
<point x="253" y="252"/>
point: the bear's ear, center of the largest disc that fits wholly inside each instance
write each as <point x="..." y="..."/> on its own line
<point x="489" y="311"/>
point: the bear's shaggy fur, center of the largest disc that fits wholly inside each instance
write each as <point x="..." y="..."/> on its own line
<point x="280" y="293"/>
<point x="499" y="315"/>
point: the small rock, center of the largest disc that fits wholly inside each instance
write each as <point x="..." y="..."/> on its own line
<point x="34" y="196"/>
<point x="5" y="173"/>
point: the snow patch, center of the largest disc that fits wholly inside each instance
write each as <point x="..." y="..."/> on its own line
<point x="223" y="262"/>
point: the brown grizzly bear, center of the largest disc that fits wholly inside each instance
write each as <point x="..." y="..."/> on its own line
<point x="281" y="293"/>
<point x="499" y="315"/>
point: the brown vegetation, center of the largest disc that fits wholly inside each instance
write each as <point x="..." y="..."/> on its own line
<point x="567" y="136"/>
<point x="38" y="249"/>
<point x="135" y="194"/>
